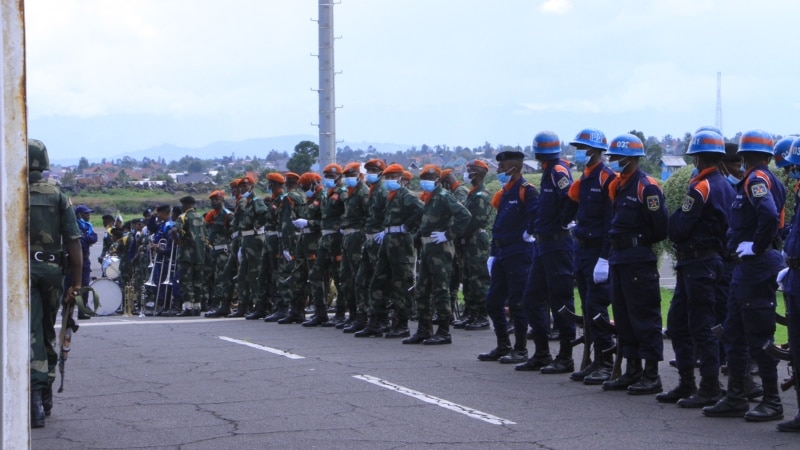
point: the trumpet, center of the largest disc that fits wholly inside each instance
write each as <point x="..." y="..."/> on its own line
<point x="129" y="298"/>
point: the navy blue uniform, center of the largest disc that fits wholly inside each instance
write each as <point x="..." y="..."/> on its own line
<point x="755" y="217"/>
<point x="551" y="277"/>
<point x="512" y="255"/>
<point x="590" y="197"/>
<point x="639" y="221"/>
<point x="791" y="283"/>
<point x="697" y="229"/>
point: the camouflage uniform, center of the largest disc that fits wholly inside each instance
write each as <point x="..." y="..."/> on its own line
<point x="355" y="216"/>
<point x="191" y="233"/>
<point x="271" y="255"/>
<point x="460" y="192"/>
<point x="329" y="254"/>
<point x="475" y="252"/>
<point x="376" y="209"/>
<point x="292" y="285"/>
<point x="218" y="230"/>
<point x="250" y="216"/>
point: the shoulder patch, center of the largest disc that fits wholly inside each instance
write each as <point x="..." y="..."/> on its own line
<point x="688" y="203"/>
<point x="758" y="190"/>
<point x="653" y="203"/>
<point x="563" y="183"/>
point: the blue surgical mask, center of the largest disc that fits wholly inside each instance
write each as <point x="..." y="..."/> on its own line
<point x="732" y="179"/>
<point x="581" y="157"/>
<point x="351" y="182"/>
<point x="392" y="185"/>
<point x="427" y="185"/>
<point x="467" y="179"/>
<point x="329" y="183"/>
<point x="310" y="193"/>
<point x="372" y="178"/>
<point x="504" y="177"/>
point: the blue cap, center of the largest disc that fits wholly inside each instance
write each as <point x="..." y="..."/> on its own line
<point x="83" y="209"/>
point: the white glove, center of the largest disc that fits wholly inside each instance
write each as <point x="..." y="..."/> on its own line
<point x="239" y="255"/>
<point x="287" y="256"/>
<point x="379" y="237"/>
<point x="570" y="226"/>
<point x="403" y="228"/>
<point x="300" y="223"/>
<point x="439" y="237"/>
<point x="490" y="263"/>
<point x="781" y="276"/>
<point x="527" y="237"/>
<point x="600" y="273"/>
<point x="745" y="249"/>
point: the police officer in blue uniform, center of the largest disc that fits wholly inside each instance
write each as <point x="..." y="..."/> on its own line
<point x="551" y="278"/>
<point x="510" y="258"/>
<point x="590" y="198"/>
<point x="697" y="230"/>
<point x="755" y="219"/>
<point x="639" y="220"/>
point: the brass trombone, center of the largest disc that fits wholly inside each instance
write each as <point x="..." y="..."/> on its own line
<point x="167" y="283"/>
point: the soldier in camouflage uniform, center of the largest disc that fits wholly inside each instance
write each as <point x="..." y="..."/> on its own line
<point x="51" y="224"/>
<point x="460" y="192"/>
<point x="444" y="221"/>
<point x="329" y="248"/>
<point x="271" y="256"/>
<point x="190" y="234"/>
<point x="301" y="203"/>
<point x="373" y="234"/>
<point x="232" y="265"/>
<point x="394" y="274"/>
<point x="250" y="216"/>
<point x="219" y="224"/>
<point x="352" y="229"/>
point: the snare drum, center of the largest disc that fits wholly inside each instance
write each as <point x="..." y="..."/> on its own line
<point x="111" y="267"/>
<point x="110" y="296"/>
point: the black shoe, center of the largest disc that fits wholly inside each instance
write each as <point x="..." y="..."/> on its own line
<point x="47" y="401"/>
<point x="515" y="356"/>
<point x="649" y="383"/>
<point x="316" y="320"/>
<point x="82" y="316"/>
<point x="439" y="338"/>
<point x="334" y="321"/>
<point x="480" y="323"/>
<point x="734" y="404"/>
<point x="622" y="383"/>
<point x="400" y="331"/>
<point x="222" y="312"/>
<point x="791" y="426"/>
<point x="683" y="391"/>
<point x="355" y="326"/>
<point x="418" y="338"/>
<point x="292" y="318"/>
<point x="579" y="375"/>
<point x="239" y="313"/>
<point x="534" y="363"/>
<point x="559" y="365"/>
<point x="369" y="331"/>
<point x="276" y="316"/>
<point x="770" y="407"/>
<point x="463" y="322"/>
<point x="495" y="354"/>
<point x="184" y="313"/>
<point x="37" y="410"/>
<point x="256" y="315"/>
<point x="600" y="375"/>
<point x="709" y="394"/>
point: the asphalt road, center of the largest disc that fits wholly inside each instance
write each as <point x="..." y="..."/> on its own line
<point x="195" y="383"/>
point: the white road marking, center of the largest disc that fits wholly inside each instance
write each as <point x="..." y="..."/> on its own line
<point x="467" y="411"/>
<point x="261" y="347"/>
<point x="145" y="321"/>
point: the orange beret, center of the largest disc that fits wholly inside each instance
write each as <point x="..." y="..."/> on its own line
<point x="408" y="175"/>
<point x="235" y="182"/>
<point x="478" y="164"/>
<point x="377" y="163"/>
<point x="428" y="169"/>
<point x="275" y="177"/>
<point x="290" y="175"/>
<point x="308" y="178"/>
<point x="393" y="168"/>
<point x="332" y="168"/>
<point x="247" y="179"/>
<point x="446" y="172"/>
<point x="354" y="167"/>
<point x="220" y="194"/>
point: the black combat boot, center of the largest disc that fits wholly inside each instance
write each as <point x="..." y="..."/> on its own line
<point x="259" y="313"/>
<point x="478" y="323"/>
<point x="686" y="387"/>
<point x="400" y="330"/>
<point x="602" y="372"/>
<point x="650" y="383"/>
<point x="319" y="318"/>
<point x="710" y="392"/>
<point x="37" y="409"/>
<point x="579" y="375"/>
<point x="279" y="314"/>
<point x="535" y="362"/>
<point x="424" y="331"/>
<point x="633" y="372"/>
<point x="563" y="362"/>
<point x="463" y="322"/>
<point x="356" y="325"/>
<point x="503" y="348"/>
<point x="442" y="335"/>
<point x="222" y="311"/>
<point x="752" y="390"/>
<point x="296" y="315"/>
<point x="238" y="313"/>
<point x="371" y="329"/>
<point x="793" y="425"/>
<point x="734" y="404"/>
<point x="47" y="400"/>
<point x="770" y="407"/>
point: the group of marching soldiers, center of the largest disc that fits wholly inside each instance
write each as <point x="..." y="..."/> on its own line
<point x="392" y="256"/>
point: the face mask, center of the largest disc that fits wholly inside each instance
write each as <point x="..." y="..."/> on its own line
<point x="581" y="157"/>
<point x="616" y="167"/>
<point x="351" y="181"/>
<point x="732" y="179"/>
<point x="427" y="185"/>
<point x="504" y="177"/>
<point x="310" y="193"/>
<point x="329" y="183"/>
<point x="246" y="194"/>
<point x="467" y="179"/>
<point x="392" y="185"/>
<point x="372" y="178"/>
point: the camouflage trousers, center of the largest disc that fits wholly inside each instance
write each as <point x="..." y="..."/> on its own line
<point x="294" y="289"/>
<point x="219" y="284"/>
<point x="268" y="275"/>
<point x="249" y="265"/>
<point x="45" y="293"/>
<point x="352" y="245"/>
<point x="326" y="266"/>
<point x="229" y="272"/>
<point x="475" y="273"/>
<point x="369" y="260"/>
<point x="394" y="276"/>
<point x="192" y="279"/>
<point x="433" y="285"/>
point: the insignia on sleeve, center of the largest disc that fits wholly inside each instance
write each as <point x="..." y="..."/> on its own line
<point x="563" y="183"/>
<point x="653" y="203"/>
<point x="688" y="203"/>
<point x="758" y="190"/>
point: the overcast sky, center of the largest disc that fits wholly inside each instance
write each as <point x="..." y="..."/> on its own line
<point x="454" y="72"/>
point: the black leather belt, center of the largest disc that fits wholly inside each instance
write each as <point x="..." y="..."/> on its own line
<point x="682" y="255"/>
<point x="622" y="243"/>
<point x="551" y="237"/>
<point x="503" y="243"/>
<point x="590" y="243"/>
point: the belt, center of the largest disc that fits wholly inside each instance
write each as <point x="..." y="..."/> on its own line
<point x="347" y="231"/>
<point x="308" y="231"/>
<point x="395" y="229"/>
<point x="793" y="263"/>
<point x="327" y="232"/>
<point x="220" y="247"/>
<point x="503" y="243"/>
<point x="54" y="258"/>
<point x="590" y="243"/>
<point x="372" y="235"/>
<point x="273" y="233"/>
<point x="682" y="255"/>
<point x="622" y="243"/>
<point x="253" y="232"/>
<point x="234" y="235"/>
<point x="551" y="237"/>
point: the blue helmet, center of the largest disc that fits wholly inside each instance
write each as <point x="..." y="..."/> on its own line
<point x="706" y="142"/>
<point x="709" y="128"/>
<point x="626" y="145"/>
<point x="756" y="141"/>
<point x="794" y="152"/>
<point x="592" y="138"/>
<point x="781" y="151"/>
<point x="546" y="143"/>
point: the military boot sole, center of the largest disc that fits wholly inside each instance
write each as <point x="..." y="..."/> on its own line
<point x="534" y="365"/>
<point x="416" y="339"/>
<point x="698" y="402"/>
<point x="619" y="384"/>
<point x="397" y="334"/>
<point x="730" y="411"/>
<point x="753" y="416"/>
<point x="368" y="332"/>
<point x="789" y="426"/>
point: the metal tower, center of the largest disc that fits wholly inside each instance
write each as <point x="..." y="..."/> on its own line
<point x="718" y="120"/>
<point x="327" y="89"/>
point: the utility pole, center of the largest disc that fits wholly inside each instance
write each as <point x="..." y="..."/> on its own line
<point x="718" y="120"/>
<point x="327" y="86"/>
